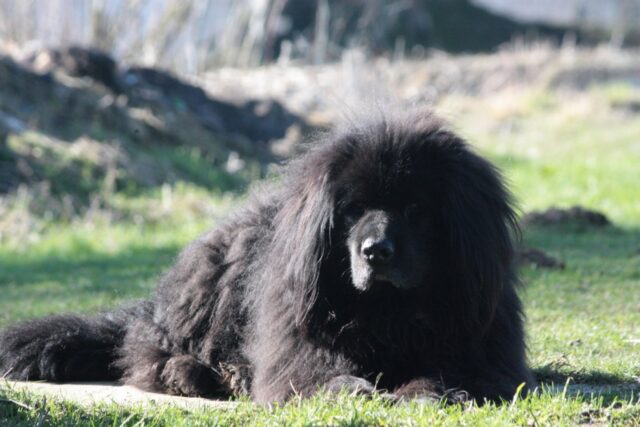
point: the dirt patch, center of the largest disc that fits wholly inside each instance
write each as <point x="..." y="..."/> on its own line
<point x="538" y="258"/>
<point x="164" y="128"/>
<point x="575" y="215"/>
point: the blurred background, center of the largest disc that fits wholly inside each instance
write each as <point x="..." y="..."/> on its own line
<point x="194" y="36"/>
<point x="150" y="113"/>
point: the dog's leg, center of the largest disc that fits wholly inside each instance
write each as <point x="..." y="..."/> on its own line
<point x="150" y="362"/>
<point x="153" y="369"/>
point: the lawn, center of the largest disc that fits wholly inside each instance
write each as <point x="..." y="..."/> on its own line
<point x="583" y="322"/>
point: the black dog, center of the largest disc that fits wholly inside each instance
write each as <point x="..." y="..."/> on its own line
<point x="383" y="255"/>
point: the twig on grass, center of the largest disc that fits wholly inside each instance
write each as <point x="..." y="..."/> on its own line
<point x="15" y="402"/>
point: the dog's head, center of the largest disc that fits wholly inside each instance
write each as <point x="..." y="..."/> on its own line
<point x="387" y="238"/>
<point x="402" y="205"/>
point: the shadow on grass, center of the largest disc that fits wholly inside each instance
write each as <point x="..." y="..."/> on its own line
<point x="548" y="375"/>
<point x="610" y="388"/>
<point x="94" y="282"/>
<point x="140" y="262"/>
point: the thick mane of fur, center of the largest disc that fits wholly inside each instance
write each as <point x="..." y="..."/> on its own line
<point x="265" y="304"/>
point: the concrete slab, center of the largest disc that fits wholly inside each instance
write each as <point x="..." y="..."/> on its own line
<point x="87" y="394"/>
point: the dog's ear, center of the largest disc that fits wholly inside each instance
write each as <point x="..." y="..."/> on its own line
<point x="301" y="241"/>
<point x="478" y="226"/>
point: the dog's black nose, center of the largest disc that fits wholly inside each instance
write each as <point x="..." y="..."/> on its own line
<point x="377" y="251"/>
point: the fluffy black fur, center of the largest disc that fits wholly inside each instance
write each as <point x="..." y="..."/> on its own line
<point x="383" y="255"/>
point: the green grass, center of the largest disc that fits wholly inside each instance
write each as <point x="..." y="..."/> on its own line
<point x="583" y="321"/>
<point x="546" y="409"/>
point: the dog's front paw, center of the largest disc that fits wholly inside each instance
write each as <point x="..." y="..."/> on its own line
<point x="237" y="377"/>
<point x="185" y="376"/>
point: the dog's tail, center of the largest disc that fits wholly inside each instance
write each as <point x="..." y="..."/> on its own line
<point x="63" y="348"/>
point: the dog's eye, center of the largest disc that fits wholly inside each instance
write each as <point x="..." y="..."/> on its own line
<point x="353" y="210"/>
<point x="412" y="211"/>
